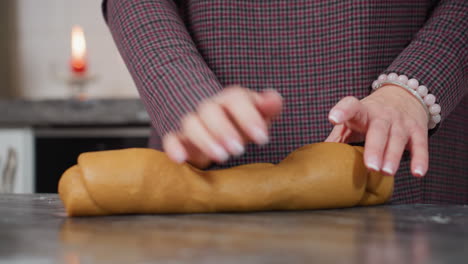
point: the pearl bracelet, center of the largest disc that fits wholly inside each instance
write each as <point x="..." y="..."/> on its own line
<point x="426" y="99"/>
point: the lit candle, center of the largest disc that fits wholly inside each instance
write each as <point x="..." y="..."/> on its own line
<point x="78" y="50"/>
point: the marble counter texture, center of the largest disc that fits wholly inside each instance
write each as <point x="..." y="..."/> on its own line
<point x="34" y="229"/>
<point x="119" y="112"/>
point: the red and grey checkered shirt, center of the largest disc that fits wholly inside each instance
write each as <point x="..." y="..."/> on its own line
<point x="314" y="53"/>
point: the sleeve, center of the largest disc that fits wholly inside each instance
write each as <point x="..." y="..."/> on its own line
<point x="169" y="72"/>
<point x="438" y="55"/>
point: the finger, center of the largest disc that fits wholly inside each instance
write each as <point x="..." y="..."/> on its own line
<point x="342" y="134"/>
<point x="350" y="110"/>
<point x="179" y="150"/>
<point x="174" y="148"/>
<point x="268" y="102"/>
<point x="219" y="125"/>
<point x="239" y="105"/>
<point x="397" y="141"/>
<point x="194" y="155"/>
<point x="196" y="132"/>
<point x="336" y="135"/>
<point x="376" y="141"/>
<point x="419" y="152"/>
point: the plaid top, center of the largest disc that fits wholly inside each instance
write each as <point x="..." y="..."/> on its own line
<point x="314" y="53"/>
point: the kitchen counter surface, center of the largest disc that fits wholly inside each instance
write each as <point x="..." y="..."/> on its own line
<point x="113" y="112"/>
<point x="34" y="229"/>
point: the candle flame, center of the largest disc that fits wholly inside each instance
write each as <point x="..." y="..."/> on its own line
<point x="78" y="43"/>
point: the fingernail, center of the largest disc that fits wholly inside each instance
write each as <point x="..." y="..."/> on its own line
<point x="219" y="152"/>
<point x="259" y="136"/>
<point x="179" y="156"/>
<point x="388" y="168"/>
<point x="336" y="116"/>
<point x="419" y="171"/>
<point x="235" y="147"/>
<point x="271" y="90"/>
<point x="372" y="163"/>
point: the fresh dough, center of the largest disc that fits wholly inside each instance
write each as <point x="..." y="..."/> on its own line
<point x="146" y="181"/>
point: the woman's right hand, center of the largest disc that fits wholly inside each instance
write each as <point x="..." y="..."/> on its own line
<point x="222" y="126"/>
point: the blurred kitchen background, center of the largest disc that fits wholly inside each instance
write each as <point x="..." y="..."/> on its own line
<point x="43" y="124"/>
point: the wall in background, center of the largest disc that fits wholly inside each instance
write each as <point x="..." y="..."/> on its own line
<point x="42" y="52"/>
<point x="7" y="37"/>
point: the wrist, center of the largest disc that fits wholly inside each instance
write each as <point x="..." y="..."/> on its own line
<point x="418" y="92"/>
<point x="403" y="100"/>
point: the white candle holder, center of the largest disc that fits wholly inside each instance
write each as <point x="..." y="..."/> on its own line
<point x="78" y="84"/>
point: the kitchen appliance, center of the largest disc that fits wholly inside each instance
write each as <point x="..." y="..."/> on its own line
<point x="16" y="160"/>
<point x="9" y="172"/>
<point x="56" y="149"/>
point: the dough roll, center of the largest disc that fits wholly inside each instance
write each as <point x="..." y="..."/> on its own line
<point x="146" y="181"/>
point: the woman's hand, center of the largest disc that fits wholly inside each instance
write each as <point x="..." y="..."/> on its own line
<point x="389" y="120"/>
<point x="222" y="125"/>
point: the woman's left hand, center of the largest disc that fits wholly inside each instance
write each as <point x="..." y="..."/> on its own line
<point x="389" y="120"/>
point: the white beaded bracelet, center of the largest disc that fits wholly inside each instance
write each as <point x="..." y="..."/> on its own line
<point x="419" y="91"/>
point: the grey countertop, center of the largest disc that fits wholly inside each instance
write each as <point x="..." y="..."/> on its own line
<point x="72" y="113"/>
<point x="34" y="229"/>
